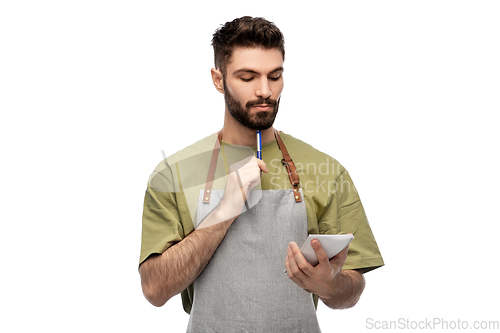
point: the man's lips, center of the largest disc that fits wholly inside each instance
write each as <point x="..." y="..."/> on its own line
<point x="263" y="107"/>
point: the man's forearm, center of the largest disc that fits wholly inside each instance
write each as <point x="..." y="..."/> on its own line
<point x="166" y="275"/>
<point x="349" y="289"/>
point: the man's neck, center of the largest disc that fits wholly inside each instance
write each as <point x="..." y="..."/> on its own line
<point x="237" y="134"/>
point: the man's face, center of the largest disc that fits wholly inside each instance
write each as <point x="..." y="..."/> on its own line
<point x="253" y="85"/>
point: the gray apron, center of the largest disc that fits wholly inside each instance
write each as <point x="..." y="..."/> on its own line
<point x="244" y="287"/>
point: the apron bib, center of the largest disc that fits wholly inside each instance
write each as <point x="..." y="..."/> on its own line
<point x="244" y="287"/>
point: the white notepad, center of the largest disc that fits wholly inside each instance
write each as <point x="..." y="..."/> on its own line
<point x="332" y="244"/>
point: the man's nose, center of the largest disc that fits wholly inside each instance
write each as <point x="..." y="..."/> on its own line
<point x="263" y="90"/>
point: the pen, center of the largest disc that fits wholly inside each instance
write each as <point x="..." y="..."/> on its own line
<point x="259" y="145"/>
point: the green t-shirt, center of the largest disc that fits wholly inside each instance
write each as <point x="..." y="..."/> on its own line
<point x="332" y="202"/>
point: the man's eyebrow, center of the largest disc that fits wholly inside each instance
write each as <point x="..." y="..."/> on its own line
<point x="251" y="71"/>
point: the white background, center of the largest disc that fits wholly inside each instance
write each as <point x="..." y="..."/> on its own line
<point x="403" y="93"/>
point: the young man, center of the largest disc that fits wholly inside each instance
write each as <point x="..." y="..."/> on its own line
<point x="224" y="228"/>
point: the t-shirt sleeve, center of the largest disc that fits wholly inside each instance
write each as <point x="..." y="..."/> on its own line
<point x="345" y="214"/>
<point x="161" y="223"/>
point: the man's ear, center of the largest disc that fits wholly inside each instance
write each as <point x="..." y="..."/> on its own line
<point x="217" y="80"/>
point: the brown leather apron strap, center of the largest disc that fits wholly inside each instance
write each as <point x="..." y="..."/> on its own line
<point x="290" y="168"/>
<point x="211" y="169"/>
<point x="287" y="162"/>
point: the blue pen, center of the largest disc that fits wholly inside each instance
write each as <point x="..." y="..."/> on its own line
<point x="259" y="145"/>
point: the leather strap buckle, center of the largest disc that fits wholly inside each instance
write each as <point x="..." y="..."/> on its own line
<point x="292" y="172"/>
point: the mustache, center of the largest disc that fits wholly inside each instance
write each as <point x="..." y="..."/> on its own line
<point x="262" y="100"/>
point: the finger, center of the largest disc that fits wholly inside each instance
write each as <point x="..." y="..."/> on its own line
<point x="340" y="258"/>
<point x="288" y="269"/>
<point x="320" y="252"/>
<point x="303" y="265"/>
<point x="250" y="177"/>
<point x="342" y="255"/>
<point x="345" y="251"/>
<point x="254" y="183"/>
<point x="262" y="165"/>
<point x="291" y="276"/>
<point x="292" y="269"/>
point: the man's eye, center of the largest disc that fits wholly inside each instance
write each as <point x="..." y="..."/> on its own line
<point x="246" y="79"/>
<point x="275" y="78"/>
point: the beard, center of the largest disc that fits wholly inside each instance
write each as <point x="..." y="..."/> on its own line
<point x="260" y="120"/>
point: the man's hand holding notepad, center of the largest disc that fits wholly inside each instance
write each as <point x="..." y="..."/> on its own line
<point x="332" y="244"/>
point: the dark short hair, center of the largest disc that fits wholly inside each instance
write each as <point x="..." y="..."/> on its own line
<point x="245" y="32"/>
